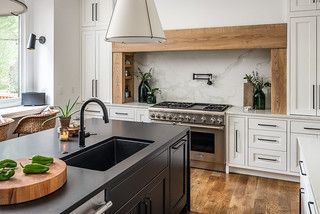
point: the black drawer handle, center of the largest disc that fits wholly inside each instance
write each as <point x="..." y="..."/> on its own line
<point x="120" y="113"/>
<point x="301" y="170"/>
<point x="268" y="140"/>
<point x="179" y="144"/>
<point x="309" y="205"/>
<point x="267" y="125"/>
<point x="268" y="159"/>
<point x="313" y="129"/>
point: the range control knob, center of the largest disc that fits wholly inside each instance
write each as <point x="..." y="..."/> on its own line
<point x="203" y="119"/>
<point x="188" y="118"/>
<point x="220" y="120"/>
<point x="152" y="115"/>
<point x="180" y="117"/>
<point x="169" y="117"/>
<point x="175" y="118"/>
<point x="213" y="120"/>
<point x="158" y="116"/>
<point x="193" y="119"/>
<point x="163" y="117"/>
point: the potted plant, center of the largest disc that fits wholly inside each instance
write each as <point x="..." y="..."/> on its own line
<point x="259" y="98"/>
<point x="143" y="90"/>
<point x="65" y="113"/>
<point x="152" y="99"/>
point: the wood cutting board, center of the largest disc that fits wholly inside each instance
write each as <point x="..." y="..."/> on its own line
<point x="21" y="188"/>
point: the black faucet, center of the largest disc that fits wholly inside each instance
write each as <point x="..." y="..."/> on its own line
<point x="82" y="133"/>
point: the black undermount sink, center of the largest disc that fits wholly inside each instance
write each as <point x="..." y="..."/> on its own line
<point x="107" y="154"/>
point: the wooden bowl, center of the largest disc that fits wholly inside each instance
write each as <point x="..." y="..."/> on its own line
<point x="73" y="131"/>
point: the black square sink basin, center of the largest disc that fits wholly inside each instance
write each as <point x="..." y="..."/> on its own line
<point x="107" y="154"/>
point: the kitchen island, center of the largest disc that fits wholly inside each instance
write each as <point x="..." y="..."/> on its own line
<point x="128" y="184"/>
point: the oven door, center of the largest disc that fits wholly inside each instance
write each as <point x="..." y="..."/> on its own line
<point x="208" y="147"/>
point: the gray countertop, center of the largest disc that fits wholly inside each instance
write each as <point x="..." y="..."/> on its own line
<point x="83" y="184"/>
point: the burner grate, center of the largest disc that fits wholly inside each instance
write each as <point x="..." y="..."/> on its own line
<point x="216" y="107"/>
<point x="174" y="105"/>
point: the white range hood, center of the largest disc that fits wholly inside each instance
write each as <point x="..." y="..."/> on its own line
<point x="12" y="7"/>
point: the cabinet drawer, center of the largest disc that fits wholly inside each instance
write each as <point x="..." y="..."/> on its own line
<point x="272" y="125"/>
<point x="267" y="159"/>
<point x="268" y="140"/>
<point x="122" y="113"/>
<point x="305" y="127"/>
<point x="124" y="191"/>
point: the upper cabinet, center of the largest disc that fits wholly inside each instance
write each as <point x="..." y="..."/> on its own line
<point x="96" y="13"/>
<point x="304" y="87"/>
<point x="304" y="5"/>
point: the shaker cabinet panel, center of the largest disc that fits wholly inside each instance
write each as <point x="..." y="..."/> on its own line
<point x="96" y="13"/>
<point x="303" y="83"/>
<point x="88" y="13"/>
<point x="237" y="140"/>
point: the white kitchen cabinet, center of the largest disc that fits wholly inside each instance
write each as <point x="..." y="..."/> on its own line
<point x="96" y="12"/>
<point x="88" y="63"/>
<point x="237" y="140"/>
<point x="303" y="5"/>
<point x="303" y="64"/>
<point x="294" y="151"/>
<point x="96" y="66"/>
<point x="142" y="115"/>
<point x="268" y="159"/>
<point x="122" y="113"/>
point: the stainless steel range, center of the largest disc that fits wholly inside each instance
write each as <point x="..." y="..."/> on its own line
<point x="207" y="122"/>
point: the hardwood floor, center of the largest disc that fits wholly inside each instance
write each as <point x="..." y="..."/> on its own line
<point x="214" y="192"/>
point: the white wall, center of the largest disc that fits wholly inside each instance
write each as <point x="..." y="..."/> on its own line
<point x="175" y="14"/>
<point x="54" y="68"/>
<point x="41" y="23"/>
<point x="66" y="50"/>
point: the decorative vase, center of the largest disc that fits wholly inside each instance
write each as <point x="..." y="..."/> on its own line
<point x="152" y="99"/>
<point x="143" y="92"/>
<point x="259" y="100"/>
<point x="65" y="122"/>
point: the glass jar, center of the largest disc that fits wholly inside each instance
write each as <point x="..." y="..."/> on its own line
<point x="64" y="134"/>
<point x="259" y="100"/>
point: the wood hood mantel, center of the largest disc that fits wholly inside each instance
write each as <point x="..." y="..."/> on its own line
<point x="267" y="36"/>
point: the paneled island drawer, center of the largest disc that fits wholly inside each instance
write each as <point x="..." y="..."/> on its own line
<point x="305" y="127"/>
<point x="268" y="159"/>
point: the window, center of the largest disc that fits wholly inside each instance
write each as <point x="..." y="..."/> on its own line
<point x="9" y="59"/>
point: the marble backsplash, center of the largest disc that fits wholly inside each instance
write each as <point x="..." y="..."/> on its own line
<point x="173" y="73"/>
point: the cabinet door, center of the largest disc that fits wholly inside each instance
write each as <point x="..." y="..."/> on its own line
<point x="178" y="175"/>
<point x="88" y="13"/>
<point x="142" y="115"/>
<point x="303" y="66"/>
<point x="103" y="11"/>
<point x="294" y="150"/>
<point x="318" y="61"/>
<point x="103" y="82"/>
<point x="237" y="137"/>
<point x="299" y="5"/>
<point x="88" y="64"/>
<point x="157" y="194"/>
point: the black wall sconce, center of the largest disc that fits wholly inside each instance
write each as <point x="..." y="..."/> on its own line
<point x="206" y="77"/>
<point x="33" y="39"/>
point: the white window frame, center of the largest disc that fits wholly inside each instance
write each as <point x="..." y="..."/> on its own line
<point x="22" y="67"/>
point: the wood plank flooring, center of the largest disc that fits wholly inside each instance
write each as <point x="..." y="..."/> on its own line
<point x="214" y="192"/>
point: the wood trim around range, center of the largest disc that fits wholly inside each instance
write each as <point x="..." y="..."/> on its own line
<point x="220" y="38"/>
<point x="268" y="36"/>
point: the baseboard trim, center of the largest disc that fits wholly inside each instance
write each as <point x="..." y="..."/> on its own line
<point x="264" y="174"/>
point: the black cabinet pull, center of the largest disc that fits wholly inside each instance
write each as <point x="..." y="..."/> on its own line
<point x="92" y="12"/>
<point x="237" y="141"/>
<point x="142" y="207"/>
<point x="300" y="167"/>
<point x="268" y="140"/>
<point x="267" y="125"/>
<point x="120" y="113"/>
<point x="179" y="144"/>
<point x="313" y="129"/>
<point x="148" y="204"/>
<point x="309" y="206"/>
<point x="267" y="159"/>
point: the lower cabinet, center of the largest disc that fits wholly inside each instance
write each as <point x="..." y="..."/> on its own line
<point x="158" y="187"/>
<point x="237" y="140"/>
<point x="151" y="199"/>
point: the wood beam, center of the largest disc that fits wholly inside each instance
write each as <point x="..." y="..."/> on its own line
<point x="266" y="36"/>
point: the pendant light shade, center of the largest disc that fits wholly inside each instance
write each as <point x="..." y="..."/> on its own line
<point x="12" y="7"/>
<point x="135" y="21"/>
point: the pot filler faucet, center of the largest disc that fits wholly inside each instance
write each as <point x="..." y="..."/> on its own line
<point x="82" y="133"/>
